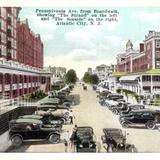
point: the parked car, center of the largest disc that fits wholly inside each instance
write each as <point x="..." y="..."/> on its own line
<point x="114" y="96"/>
<point x="84" y="87"/>
<point x="57" y="101"/>
<point x="122" y="106"/>
<point x="148" y="118"/>
<point x="110" y="103"/>
<point x="94" y="87"/>
<point x="116" y="141"/>
<point x="133" y="107"/>
<point x="31" y="129"/>
<point x="85" y="141"/>
<point x="46" y="119"/>
<point x="62" y="116"/>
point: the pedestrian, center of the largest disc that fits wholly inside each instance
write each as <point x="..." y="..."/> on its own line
<point x="73" y="138"/>
<point x="66" y="140"/>
<point x="65" y="145"/>
<point x="71" y="116"/>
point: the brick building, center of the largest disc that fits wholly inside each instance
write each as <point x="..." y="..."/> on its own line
<point x="21" y="57"/>
<point x="138" y="70"/>
<point x="29" y="46"/>
<point x="146" y="58"/>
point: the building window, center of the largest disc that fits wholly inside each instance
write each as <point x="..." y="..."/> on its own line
<point x="9" y="33"/>
<point x="9" y="21"/>
<point x="146" y="78"/>
<point x="158" y="43"/>
<point x="9" y="57"/>
<point x="9" y="44"/>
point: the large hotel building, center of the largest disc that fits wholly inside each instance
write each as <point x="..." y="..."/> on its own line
<point x="21" y="57"/>
<point x="139" y="70"/>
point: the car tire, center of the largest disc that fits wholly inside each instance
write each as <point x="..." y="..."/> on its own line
<point x="125" y="124"/>
<point x="150" y="125"/>
<point x="63" y="120"/>
<point x="54" y="138"/>
<point x="16" y="140"/>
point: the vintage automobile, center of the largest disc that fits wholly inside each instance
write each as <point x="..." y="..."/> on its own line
<point x="114" y="97"/>
<point x="84" y="87"/>
<point x="57" y="101"/>
<point x="84" y="139"/>
<point x="31" y="129"/>
<point x="46" y="119"/>
<point x="145" y="117"/>
<point x="122" y="106"/>
<point x="116" y="141"/>
<point x="59" y="114"/>
<point x="132" y="107"/>
<point x="94" y="87"/>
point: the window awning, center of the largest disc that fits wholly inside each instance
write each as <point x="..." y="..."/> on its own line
<point x="129" y="78"/>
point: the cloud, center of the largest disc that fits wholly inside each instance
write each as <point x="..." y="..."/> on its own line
<point x="81" y="54"/>
<point x="79" y="38"/>
<point x="46" y="37"/>
<point x="35" y="21"/>
<point x="147" y="16"/>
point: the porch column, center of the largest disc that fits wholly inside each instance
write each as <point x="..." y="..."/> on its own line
<point x="141" y="85"/>
<point x="11" y="86"/>
<point x="18" y="85"/>
<point x="3" y="85"/>
<point x="151" y="84"/>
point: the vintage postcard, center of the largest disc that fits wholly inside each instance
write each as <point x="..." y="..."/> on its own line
<point x="79" y="79"/>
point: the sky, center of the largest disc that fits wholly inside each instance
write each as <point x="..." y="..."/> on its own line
<point x="80" y="47"/>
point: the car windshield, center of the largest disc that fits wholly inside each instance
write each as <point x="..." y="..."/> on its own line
<point x="113" y="132"/>
<point x="84" y="131"/>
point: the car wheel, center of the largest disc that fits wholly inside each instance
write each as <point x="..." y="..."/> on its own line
<point x="54" y="138"/>
<point x="66" y="104"/>
<point x="150" y="125"/>
<point x="16" y="140"/>
<point x="124" y="124"/>
<point x="62" y="120"/>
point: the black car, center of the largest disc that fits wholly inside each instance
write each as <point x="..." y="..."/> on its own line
<point x="31" y="129"/>
<point x="119" y="108"/>
<point x="58" y="115"/>
<point x="116" y="141"/>
<point x="114" y="97"/>
<point x="133" y="107"/>
<point x="149" y="118"/>
<point x="94" y="87"/>
<point x="46" y="119"/>
<point x="84" y="139"/>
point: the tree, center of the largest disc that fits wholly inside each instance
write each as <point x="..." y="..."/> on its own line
<point x="90" y="78"/>
<point x="94" y="79"/>
<point x="86" y="77"/>
<point x="71" y="76"/>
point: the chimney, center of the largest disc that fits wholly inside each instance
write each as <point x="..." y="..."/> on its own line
<point x="141" y="46"/>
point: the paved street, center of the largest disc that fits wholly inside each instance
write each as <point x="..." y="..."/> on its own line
<point x="89" y="113"/>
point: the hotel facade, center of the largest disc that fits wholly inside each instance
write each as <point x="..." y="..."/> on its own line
<point x="21" y="57"/>
<point x="139" y="70"/>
